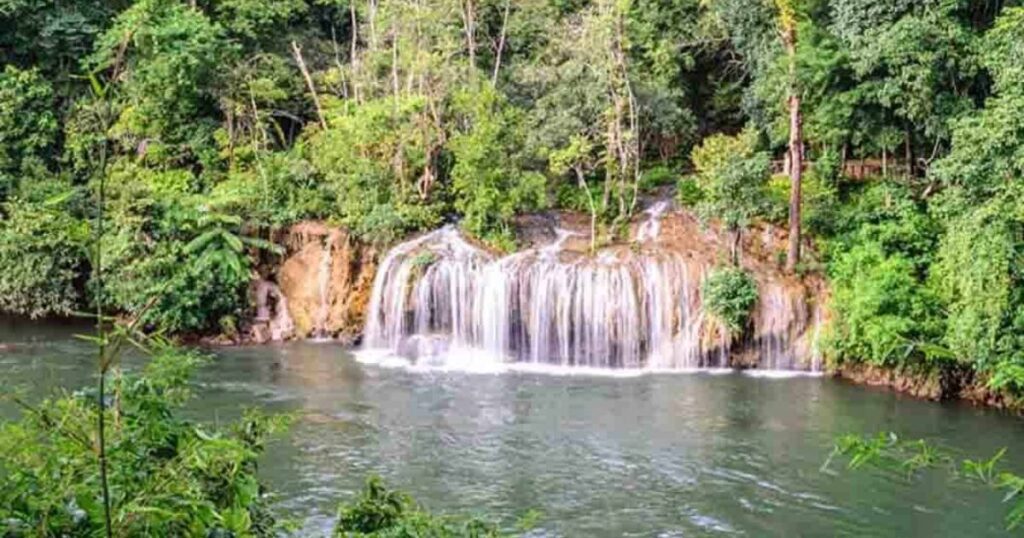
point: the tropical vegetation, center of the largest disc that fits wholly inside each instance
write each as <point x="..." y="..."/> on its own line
<point x="886" y="136"/>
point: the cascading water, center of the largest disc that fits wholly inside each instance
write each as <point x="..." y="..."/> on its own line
<point x="438" y="296"/>
<point x="323" y="286"/>
<point x="649" y="229"/>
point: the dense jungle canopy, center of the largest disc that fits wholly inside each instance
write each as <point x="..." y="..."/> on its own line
<point x="205" y="124"/>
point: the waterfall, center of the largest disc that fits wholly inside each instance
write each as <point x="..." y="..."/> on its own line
<point x="438" y="296"/>
<point x="650" y="228"/>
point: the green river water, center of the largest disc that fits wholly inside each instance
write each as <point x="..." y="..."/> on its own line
<point x="699" y="454"/>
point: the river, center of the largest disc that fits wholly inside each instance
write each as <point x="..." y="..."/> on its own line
<point x="690" y="454"/>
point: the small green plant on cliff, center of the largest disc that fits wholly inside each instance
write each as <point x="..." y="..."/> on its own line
<point x="888" y="451"/>
<point x="728" y="294"/>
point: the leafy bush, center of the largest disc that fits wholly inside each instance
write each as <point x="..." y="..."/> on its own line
<point x="381" y="512"/>
<point x="731" y="175"/>
<point x="489" y="179"/>
<point x="168" y="476"/>
<point x="688" y="193"/>
<point x="657" y="176"/>
<point x="378" y="167"/>
<point x="881" y="309"/>
<point x="28" y="126"/>
<point x="978" y="276"/>
<point x="42" y="252"/>
<point x="190" y="266"/>
<point x="728" y="294"/>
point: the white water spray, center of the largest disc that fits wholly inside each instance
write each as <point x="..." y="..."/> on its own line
<point x="438" y="299"/>
<point x="650" y="228"/>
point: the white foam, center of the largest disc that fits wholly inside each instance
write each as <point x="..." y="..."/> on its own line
<point x="471" y="360"/>
<point x="780" y="374"/>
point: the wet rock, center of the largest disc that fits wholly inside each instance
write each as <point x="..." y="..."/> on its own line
<point x="325" y="282"/>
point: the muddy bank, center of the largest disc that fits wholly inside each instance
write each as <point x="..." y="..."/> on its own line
<point x="929" y="383"/>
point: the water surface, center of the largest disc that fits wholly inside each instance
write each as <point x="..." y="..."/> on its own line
<point x="652" y="455"/>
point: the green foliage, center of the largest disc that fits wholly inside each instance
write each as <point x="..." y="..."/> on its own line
<point x="731" y="175"/>
<point x="884" y="310"/>
<point x="887" y="451"/>
<point x="978" y="277"/>
<point x="381" y="512"/>
<point x="28" y="126"/>
<point x="376" y="161"/>
<point x="167" y="54"/>
<point x="728" y="294"/>
<point x="168" y="476"/>
<point x="42" y="251"/>
<point x="488" y="179"/>
<point x="881" y="308"/>
<point x="167" y="246"/>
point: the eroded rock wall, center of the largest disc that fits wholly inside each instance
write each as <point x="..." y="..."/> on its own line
<point x="323" y="284"/>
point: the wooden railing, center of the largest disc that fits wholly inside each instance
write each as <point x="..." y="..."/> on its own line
<point x="855" y="168"/>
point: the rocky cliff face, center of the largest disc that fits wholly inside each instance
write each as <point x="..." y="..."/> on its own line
<point x="323" y="286"/>
<point x="319" y="291"/>
<point x="633" y="303"/>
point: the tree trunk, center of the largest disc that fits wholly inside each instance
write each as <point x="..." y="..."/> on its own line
<point x="736" y="247"/>
<point x="909" y="151"/>
<point x="394" y="67"/>
<point x="796" y="152"/>
<point x="593" y="209"/>
<point x="469" y="21"/>
<point x="355" y="53"/>
<point x="309" y="82"/>
<point x="373" y="25"/>
<point x="501" y="43"/>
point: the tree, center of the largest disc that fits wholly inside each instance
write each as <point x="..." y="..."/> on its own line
<point x="578" y="158"/>
<point x="731" y="175"/>
<point x="490" y="180"/>
<point x="787" y="21"/>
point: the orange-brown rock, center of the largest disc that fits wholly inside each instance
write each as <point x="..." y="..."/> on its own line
<point x="326" y="280"/>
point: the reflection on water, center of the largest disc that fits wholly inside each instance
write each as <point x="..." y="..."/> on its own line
<point x="666" y="455"/>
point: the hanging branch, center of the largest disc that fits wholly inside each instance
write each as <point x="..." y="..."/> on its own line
<point x="297" y="51"/>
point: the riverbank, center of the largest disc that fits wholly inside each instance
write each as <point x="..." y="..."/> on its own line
<point x="932" y="384"/>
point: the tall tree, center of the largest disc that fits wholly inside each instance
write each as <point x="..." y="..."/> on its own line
<point x="786" y="17"/>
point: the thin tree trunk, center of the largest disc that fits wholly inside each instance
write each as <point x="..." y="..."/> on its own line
<point x="501" y="42"/>
<point x="394" y="67"/>
<point x="355" y="52"/>
<point x="373" y="25"/>
<point x="101" y="337"/>
<point x="337" y="63"/>
<point x="909" y="150"/>
<point x="796" y="153"/>
<point x="309" y="82"/>
<point x="469" y="22"/>
<point x="593" y="209"/>
<point x="736" y="247"/>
